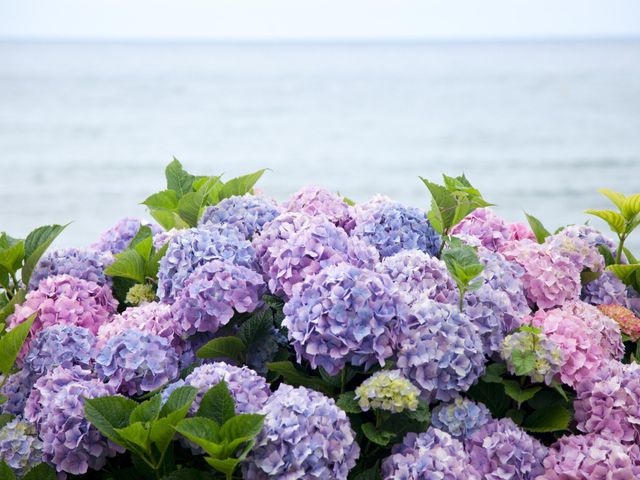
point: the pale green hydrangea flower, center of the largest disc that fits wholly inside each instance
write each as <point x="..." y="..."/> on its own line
<point x="387" y="390"/>
<point x="140" y="293"/>
<point x="530" y="352"/>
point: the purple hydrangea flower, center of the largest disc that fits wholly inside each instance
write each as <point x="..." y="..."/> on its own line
<point x="60" y="346"/>
<point x="56" y="407"/>
<point x="591" y="457"/>
<point x="602" y="327"/>
<point x="213" y="293"/>
<point x="491" y="230"/>
<point x="440" y="350"/>
<point x="606" y="289"/>
<point x="431" y="455"/>
<point x="84" y="264"/>
<point x="17" y="389"/>
<point x="418" y="274"/>
<point x="608" y="403"/>
<point x="118" y="237"/>
<point x="392" y="227"/>
<point x="20" y="447"/>
<point x="591" y="235"/>
<point x="579" y="251"/>
<point x="314" y="201"/>
<point x="342" y="315"/>
<point x="196" y="246"/>
<point x="305" y="435"/>
<point x="460" y="417"/>
<point x="66" y="300"/>
<point x="500" y="450"/>
<point x="136" y="362"/>
<point x="248" y="213"/>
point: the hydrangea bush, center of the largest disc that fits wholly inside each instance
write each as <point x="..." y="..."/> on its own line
<point x="321" y="339"/>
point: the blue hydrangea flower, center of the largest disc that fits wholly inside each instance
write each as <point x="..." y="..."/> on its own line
<point x="20" y="447"/>
<point x="17" y="389"/>
<point x="248" y="213"/>
<point x="196" y="246"/>
<point x="60" y="345"/>
<point x="491" y="312"/>
<point x="344" y="314"/>
<point x="392" y="227"/>
<point x="136" y="362"/>
<point x="83" y="264"/>
<point x="440" y="350"/>
<point x="118" y="237"/>
<point x="607" y="289"/>
<point x="305" y="435"/>
<point x="460" y="417"/>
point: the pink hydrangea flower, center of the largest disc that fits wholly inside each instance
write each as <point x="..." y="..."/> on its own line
<point x="492" y="231"/>
<point x="628" y="321"/>
<point x="313" y="200"/>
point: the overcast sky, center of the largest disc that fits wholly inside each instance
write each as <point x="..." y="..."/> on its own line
<point x="329" y="19"/>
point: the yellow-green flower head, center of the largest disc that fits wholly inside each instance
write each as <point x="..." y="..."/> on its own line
<point x="140" y="293"/>
<point x="388" y="390"/>
<point x="530" y="352"/>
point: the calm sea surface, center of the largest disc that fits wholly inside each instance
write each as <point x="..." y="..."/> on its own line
<point x="85" y="129"/>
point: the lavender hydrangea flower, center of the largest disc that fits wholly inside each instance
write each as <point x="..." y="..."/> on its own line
<point x="578" y="250"/>
<point x="248" y="213"/>
<point x="460" y="417"/>
<point x="56" y="407"/>
<point x="591" y="457"/>
<point x="500" y="450"/>
<point x="392" y="227"/>
<point x="20" y="447"/>
<point x="608" y="402"/>
<point x="492" y="231"/>
<point x="418" y="274"/>
<point x="606" y="289"/>
<point x="213" y="293"/>
<point x="440" y="350"/>
<point x="60" y="346"/>
<point x="604" y="328"/>
<point x="84" y="264"/>
<point x="314" y="201"/>
<point x="591" y="235"/>
<point x="431" y="455"/>
<point x="136" y="362"/>
<point x="342" y="315"/>
<point x="548" y="357"/>
<point x="196" y="246"/>
<point x="66" y="300"/>
<point x="387" y="390"/>
<point x="305" y="435"/>
<point x="118" y="237"/>
<point x="17" y="389"/>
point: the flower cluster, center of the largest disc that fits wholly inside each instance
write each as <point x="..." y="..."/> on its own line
<point x="60" y="346"/>
<point x="140" y="293"/>
<point x="248" y="214"/>
<point x="579" y="251"/>
<point x="491" y="231"/>
<point x="547" y="357"/>
<point x="16" y="389"/>
<point x="501" y="449"/>
<point x="342" y="315"/>
<point x="305" y="435"/>
<point x="391" y="227"/>
<point x="83" y="264"/>
<point x="20" y="447"/>
<point x="387" y="390"/>
<point x="314" y="201"/>
<point x="460" y="417"/>
<point x="602" y="327"/>
<point x="433" y="454"/>
<point x="491" y="312"/>
<point x="607" y="288"/>
<point x="213" y="293"/>
<point x="440" y="350"/>
<point x="118" y="237"/>
<point x="196" y="246"/>
<point x="627" y="320"/>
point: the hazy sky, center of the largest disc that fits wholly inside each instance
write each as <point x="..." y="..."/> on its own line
<point x="285" y="19"/>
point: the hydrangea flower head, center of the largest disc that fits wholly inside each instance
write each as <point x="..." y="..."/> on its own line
<point x="387" y="390"/>
<point x="248" y="213"/>
<point x="604" y="328"/>
<point x="56" y="407"/>
<point x="433" y="454"/>
<point x="591" y="457"/>
<point x="140" y="293"/>
<point x="17" y="389"/>
<point x="628" y="321"/>
<point x="65" y="300"/>
<point x="418" y="274"/>
<point x="212" y="294"/>
<point x="606" y="289"/>
<point x="20" y="447"/>
<point x="137" y="362"/>
<point x="460" y="417"/>
<point x="84" y="264"/>
<point x="531" y="344"/>
<point x="392" y="227"/>
<point x="440" y="350"/>
<point x="118" y="237"/>
<point x="342" y="315"/>
<point x="196" y="246"/>
<point x="591" y="235"/>
<point x="492" y="231"/>
<point x="305" y="435"/>
<point x="60" y="346"/>
<point x="578" y="250"/>
<point x="313" y="201"/>
<point x="502" y="450"/>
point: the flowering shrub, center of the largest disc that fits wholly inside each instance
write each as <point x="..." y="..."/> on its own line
<point x="460" y="417"/>
<point x="248" y="214"/>
<point x="83" y="264"/>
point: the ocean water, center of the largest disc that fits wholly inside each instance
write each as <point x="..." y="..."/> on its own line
<point x="86" y="129"/>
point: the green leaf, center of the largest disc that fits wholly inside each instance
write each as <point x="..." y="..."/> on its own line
<point x="616" y="198"/>
<point x="256" y="327"/>
<point x="11" y="257"/>
<point x="443" y="206"/>
<point x="147" y="411"/>
<point x="292" y="376"/>
<point x="537" y="228"/>
<point x="625" y="272"/>
<point x="515" y="391"/>
<point x="616" y="222"/>
<point x="587" y="276"/>
<point x="202" y="431"/>
<point x="379" y="437"/>
<point x="5" y="471"/>
<point x="35" y="245"/>
<point x="42" y="471"/>
<point x="347" y="402"/>
<point x="144" y="247"/>
<point x="11" y="343"/>
<point x="165" y="200"/>
<point x="109" y="413"/>
<point x="8" y="309"/>
<point x="551" y="419"/>
<point x="492" y="395"/>
<point x="217" y="404"/>
<point x="247" y="425"/>
<point x="631" y="206"/>
<point x="241" y="185"/>
<point x="5" y="418"/>
<point x="420" y="414"/>
<point x="493" y="373"/>
<point x="524" y="362"/>
<point x="135" y="436"/>
<point x="173" y="411"/>
<point x="180" y="399"/>
<point x="178" y="179"/>
<point x="224" y="347"/>
<point x="128" y="264"/>
<point x="154" y="262"/>
<point x="226" y="466"/>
